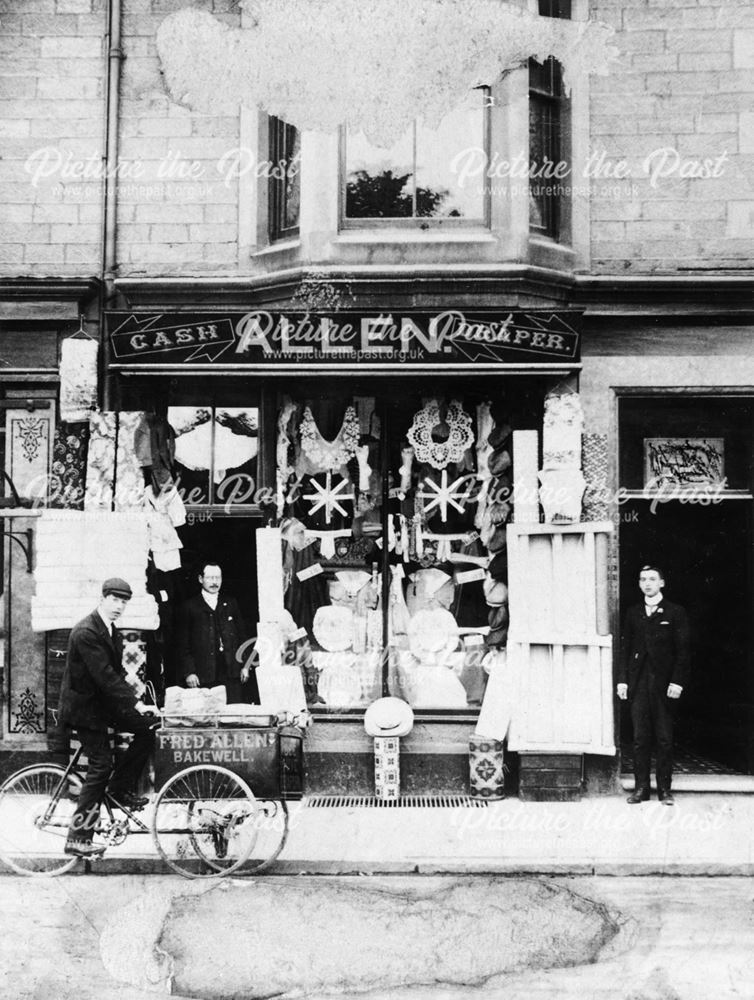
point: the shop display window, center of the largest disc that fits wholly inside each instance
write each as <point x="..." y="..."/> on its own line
<point x="393" y="509"/>
<point x="216" y="451"/>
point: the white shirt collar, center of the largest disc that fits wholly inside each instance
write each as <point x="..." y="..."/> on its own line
<point x="210" y="599"/>
<point x="650" y="603"/>
<point x="108" y="624"/>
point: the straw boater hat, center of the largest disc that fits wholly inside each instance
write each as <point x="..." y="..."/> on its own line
<point x="389" y="717"/>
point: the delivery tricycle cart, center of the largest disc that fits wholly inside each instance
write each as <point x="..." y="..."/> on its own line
<point x="221" y="804"/>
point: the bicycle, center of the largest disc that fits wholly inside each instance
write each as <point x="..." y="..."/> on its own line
<point x="205" y="822"/>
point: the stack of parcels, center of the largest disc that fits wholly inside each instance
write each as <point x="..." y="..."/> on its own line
<point x="76" y="552"/>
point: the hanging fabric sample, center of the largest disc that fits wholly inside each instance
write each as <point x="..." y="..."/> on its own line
<point x="100" y="465"/>
<point x="78" y="379"/>
<point x="76" y="551"/>
<point x="69" y="453"/>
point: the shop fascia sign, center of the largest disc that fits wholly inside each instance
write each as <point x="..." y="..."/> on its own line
<point x="268" y="338"/>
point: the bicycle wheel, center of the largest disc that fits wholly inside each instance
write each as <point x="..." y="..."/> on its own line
<point x="34" y="823"/>
<point x="271" y="824"/>
<point x="204" y="817"/>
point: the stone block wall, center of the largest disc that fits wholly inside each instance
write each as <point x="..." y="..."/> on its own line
<point x="679" y="103"/>
<point x="52" y="80"/>
<point x="178" y="215"/>
<point x="677" y="110"/>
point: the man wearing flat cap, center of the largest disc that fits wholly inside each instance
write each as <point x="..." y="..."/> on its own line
<point x="95" y="695"/>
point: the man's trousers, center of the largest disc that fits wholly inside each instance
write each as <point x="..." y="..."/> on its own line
<point x="97" y="749"/>
<point x="652" y="714"/>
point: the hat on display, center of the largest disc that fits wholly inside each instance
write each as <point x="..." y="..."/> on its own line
<point x="495" y="592"/>
<point x="389" y="717"/>
<point x="498" y="568"/>
<point x="118" y="587"/>
<point x="333" y="628"/>
<point x="499" y="462"/>
<point x="499" y="434"/>
<point x="432" y="631"/>
<point x="498" y="539"/>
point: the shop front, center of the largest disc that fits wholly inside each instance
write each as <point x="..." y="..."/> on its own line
<point x="382" y="449"/>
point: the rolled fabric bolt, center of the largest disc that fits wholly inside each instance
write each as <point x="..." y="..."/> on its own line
<point x="462" y="557"/>
<point x="365" y="470"/>
<point x="526" y="480"/>
<point x="269" y="574"/>
<point x="407" y="459"/>
<point x="405" y="546"/>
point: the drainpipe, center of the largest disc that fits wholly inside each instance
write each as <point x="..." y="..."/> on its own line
<point x="109" y="201"/>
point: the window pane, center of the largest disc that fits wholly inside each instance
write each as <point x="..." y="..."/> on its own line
<point x="236" y="447"/>
<point x="285" y="178"/>
<point x="417" y="177"/>
<point x="193" y="451"/>
<point x="379" y="182"/>
<point x="546" y="148"/>
<point x="439" y="193"/>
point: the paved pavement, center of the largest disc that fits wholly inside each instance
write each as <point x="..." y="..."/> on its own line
<point x="678" y="939"/>
<point x="701" y="834"/>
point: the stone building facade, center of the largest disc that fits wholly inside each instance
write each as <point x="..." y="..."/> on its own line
<point x="649" y="243"/>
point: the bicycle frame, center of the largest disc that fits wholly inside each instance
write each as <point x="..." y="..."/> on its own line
<point x="109" y="801"/>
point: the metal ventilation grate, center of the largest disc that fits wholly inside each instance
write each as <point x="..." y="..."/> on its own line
<point x="404" y="802"/>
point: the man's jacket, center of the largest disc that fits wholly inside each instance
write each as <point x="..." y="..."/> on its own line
<point x="658" y="643"/>
<point x="197" y="639"/>
<point x="94" y="692"/>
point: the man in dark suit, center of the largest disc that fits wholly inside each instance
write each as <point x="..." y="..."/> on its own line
<point x="653" y="666"/>
<point x="210" y="633"/>
<point x="95" y="695"/>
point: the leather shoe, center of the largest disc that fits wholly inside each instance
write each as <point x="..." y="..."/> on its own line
<point x="130" y="800"/>
<point x="638" y="795"/>
<point x="83" y="849"/>
<point x="666" y="797"/>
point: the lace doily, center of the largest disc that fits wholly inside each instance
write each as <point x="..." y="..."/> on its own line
<point x="439" y="454"/>
<point x="328" y="456"/>
<point x="320" y="64"/>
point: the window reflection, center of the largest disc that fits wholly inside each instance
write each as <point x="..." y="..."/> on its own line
<point x="417" y="177"/>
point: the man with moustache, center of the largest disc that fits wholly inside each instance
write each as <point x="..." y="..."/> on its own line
<point x="210" y="632"/>
<point x="653" y="667"/>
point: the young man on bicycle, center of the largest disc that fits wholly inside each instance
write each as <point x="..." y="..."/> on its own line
<point x="94" y="696"/>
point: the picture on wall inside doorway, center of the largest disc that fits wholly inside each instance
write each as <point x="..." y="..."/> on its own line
<point x="683" y="462"/>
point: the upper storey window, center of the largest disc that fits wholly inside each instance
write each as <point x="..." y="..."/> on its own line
<point x="417" y="179"/>
<point x="284" y="193"/>
<point x="549" y="140"/>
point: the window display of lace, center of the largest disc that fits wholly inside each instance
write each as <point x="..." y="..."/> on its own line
<point x="439" y="453"/>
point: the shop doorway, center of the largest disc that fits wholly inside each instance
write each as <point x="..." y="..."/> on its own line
<point x="705" y="552"/>
<point x="229" y="541"/>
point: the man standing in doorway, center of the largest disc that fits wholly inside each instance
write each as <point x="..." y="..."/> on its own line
<point x="210" y="632"/>
<point x="653" y="666"/>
